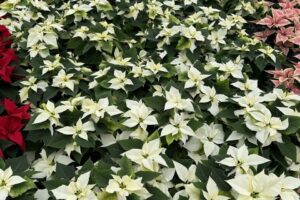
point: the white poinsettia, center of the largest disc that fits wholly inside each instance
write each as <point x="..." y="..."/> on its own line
<point x="255" y="187"/>
<point x="63" y="80"/>
<point x="98" y="109"/>
<point x="288" y="186"/>
<point x="155" y="67"/>
<point x="31" y="84"/>
<point x="265" y="125"/>
<point x="289" y="111"/>
<point x="139" y="114"/>
<point x="76" y="190"/>
<point x="286" y="98"/>
<point x="193" y="35"/>
<point x="149" y="156"/>
<point x="174" y="100"/>
<point x="216" y="38"/>
<point x="241" y="160"/>
<point x="178" y="128"/>
<point x="72" y="103"/>
<point x="195" y="78"/>
<point x="79" y="129"/>
<point x="210" y="96"/>
<point x="7" y="181"/>
<point x="119" y="60"/>
<point x="268" y="51"/>
<point x="212" y="191"/>
<point x="36" y="34"/>
<point x="48" y="112"/>
<point x="79" y="11"/>
<point x="120" y="81"/>
<point x="46" y="165"/>
<point x="52" y="65"/>
<point x="187" y="175"/>
<point x="210" y="136"/>
<point x="135" y="9"/>
<point x="125" y="185"/>
<point x="248" y="85"/>
<point x="233" y="68"/>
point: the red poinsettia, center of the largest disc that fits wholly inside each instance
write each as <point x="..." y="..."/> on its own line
<point x="20" y="113"/>
<point x="10" y="129"/>
<point x="1" y="154"/>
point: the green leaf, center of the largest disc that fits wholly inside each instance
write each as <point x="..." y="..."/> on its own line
<point x="101" y="174"/>
<point x="183" y="44"/>
<point x="59" y="141"/>
<point x="18" y="164"/>
<point x="156" y="194"/>
<point x="126" y="167"/>
<point x="2" y="163"/>
<point x="288" y="149"/>
<point x="155" y="102"/>
<point x="64" y="171"/>
<point x="293" y="125"/>
<point x="147" y="175"/>
<point x="52" y="184"/>
<point x="32" y="127"/>
<point x="21" y="188"/>
<point x="106" y="196"/>
<point x="131" y="144"/>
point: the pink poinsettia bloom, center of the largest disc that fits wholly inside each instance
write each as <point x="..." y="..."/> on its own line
<point x="281" y="76"/>
<point x="278" y="19"/>
<point x="283" y="34"/>
<point x="263" y="35"/>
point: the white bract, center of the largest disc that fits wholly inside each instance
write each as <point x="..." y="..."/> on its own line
<point x="210" y="96"/>
<point x="241" y="160"/>
<point x="7" y="181"/>
<point x="149" y="156"/>
<point x="120" y="81"/>
<point x="98" y="109"/>
<point x="79" y="129"/>
<point x="125" y="185"/>
<point x="76" y="190"/>
<point x="46" y="165"/>
<point x="212" y="191"/>
<point x="174" y="100"/>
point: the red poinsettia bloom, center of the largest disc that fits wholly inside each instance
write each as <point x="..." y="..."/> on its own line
<point x="13" y="111"/>
<point x="1" y="154"/>
<point x="10" y="129"/>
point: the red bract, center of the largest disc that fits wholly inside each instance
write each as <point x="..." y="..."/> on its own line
<point x="1" y="154"/>
<point x="10" y="129"/>
<point x="20" y="113"/>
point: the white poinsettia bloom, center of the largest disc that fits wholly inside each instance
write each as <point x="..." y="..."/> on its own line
<point x="288" y="186"/>
<point x="125" y="185"/>
<point x="98" y="109"/>
<point x="79" y="129"/>
<point x="120" y="81"/>
<point x="287" y="98"/>
<point x="268" y="51"/>
<point x="48" y="112"/>
<point x="187" y="175"/>
<point x="248" y="85"/>
<point x="255" y="187"/>
<point x="155" y="67"/>
<point x="232" y="68"/>
<point x="79" y="11"/>
<point x="217" y="38"/>
<point x="139" y="114"/>
<point x="265" y="125"/>
<point x="178" y="128"/>
<point x="212" y="191"/>
<point x="36" y="34"/>
<point x="241" y="160"/>
<point x="289" y="111"/>
<point x="210" y="96"/>
<point x="119" y="60"/>
<point x="31" y="84"/>
<point x="174" y="100"/>
<point x="72" y="103"/>
<point x="193" y="35"/>
<point x="63" y="80"/>
<point x="7" y="181"/>
<point x="195" y="78"/>
<point x="148" y="157"/>
<point x="46" y="165"/>
<point x="52" y="65"/>
<point x="211" y="136"/>
<point x="76" y="190"/>
<point x="135" y="9"/>
<point x="101" y="72"/>
<point x="72" y="146"/>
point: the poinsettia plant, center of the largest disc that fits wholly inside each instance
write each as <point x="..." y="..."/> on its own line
<point x="150" y="99"/>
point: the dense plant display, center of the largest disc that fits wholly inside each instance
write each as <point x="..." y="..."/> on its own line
<point x="148" y="99"/>
<point x="282" y="31"/>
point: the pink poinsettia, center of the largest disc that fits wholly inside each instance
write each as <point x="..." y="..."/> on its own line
<point x="278" y="19"/>
<point x="283" y="34"/>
